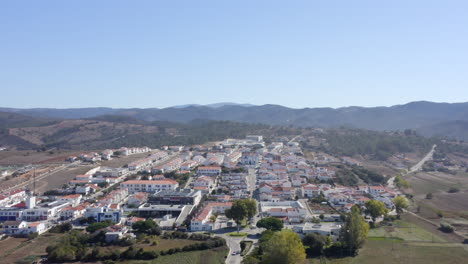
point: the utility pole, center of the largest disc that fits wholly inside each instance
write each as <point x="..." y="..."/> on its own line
<point x="34" y="181"/>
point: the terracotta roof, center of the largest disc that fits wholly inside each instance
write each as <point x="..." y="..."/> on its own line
<point x="209" y="168"/>
<point x="71" y="196"/>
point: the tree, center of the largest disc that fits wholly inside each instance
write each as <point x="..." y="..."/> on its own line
<point x="284" y="247"/>
<point x="251" y="206"/>
<point x="316" y="243"/>
<point x="99" y="225"/>
<point x="237" y="212"/>
<point x="355" y="230"/>
<point x="375" y="209"/>
<point x="400" y="204"/>
<point x="147" y="226"/>
<point x="270" y="223"/>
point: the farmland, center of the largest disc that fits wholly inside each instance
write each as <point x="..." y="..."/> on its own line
<point x="406" y="242"/>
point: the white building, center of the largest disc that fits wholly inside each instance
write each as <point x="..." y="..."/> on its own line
<point x="209" y="170"/>
<point x="150" y="186"/>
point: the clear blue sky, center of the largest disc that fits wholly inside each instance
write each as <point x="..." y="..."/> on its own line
<point x="294" y="53"/>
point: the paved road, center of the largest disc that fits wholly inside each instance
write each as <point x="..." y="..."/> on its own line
<point x="234" y="243"/>
<point x="252" y="180"/>
<point x="294" y="138"/>
<point x="419" y="165"/>
<point x="415" y="168"/>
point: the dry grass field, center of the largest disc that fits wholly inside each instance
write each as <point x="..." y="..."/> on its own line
<point x="14" y="250"/>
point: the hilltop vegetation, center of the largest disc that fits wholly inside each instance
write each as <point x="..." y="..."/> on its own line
<point x="427" y="117"/>
<point x="116" y="131"/>
<point x="372" y="144"/>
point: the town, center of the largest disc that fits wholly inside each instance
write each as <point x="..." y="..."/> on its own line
<point x="192" y="188"/>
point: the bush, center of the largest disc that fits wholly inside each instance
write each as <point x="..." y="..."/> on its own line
<point x="429" y="196"/>
<point x="99" y="225"/>
<point x="447" y="228"/>
<point x="65" y="227"/>
<point x="454" y="190"/>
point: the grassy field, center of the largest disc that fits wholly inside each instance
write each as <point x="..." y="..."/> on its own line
<point x="212" y="256"/>
<point x="394" y="251"/>
<point x="405" y="231"/>
<point x="13" y="250"/>
<point x="235" y="234"/>
<point x="405" y="242"/>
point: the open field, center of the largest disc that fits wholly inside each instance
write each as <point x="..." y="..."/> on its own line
<point x="452" y="206"/>
<point x="56" y="180"/>
<point x="15" y="249"/>
<point x="410" y="240"/>
<point x="392" y="251"/>
<point x="435" y="182"/>
<point x="13" y="157"/>
<point x="405" y="230"/>
<point x="211" y="256"/>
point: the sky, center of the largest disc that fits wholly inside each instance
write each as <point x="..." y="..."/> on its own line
<point x="142" y="54"/>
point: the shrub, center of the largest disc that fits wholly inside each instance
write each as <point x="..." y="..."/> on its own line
<point x="447" y="228"/>
<point x="454" y="190"/>
<point x="65" y="227"/>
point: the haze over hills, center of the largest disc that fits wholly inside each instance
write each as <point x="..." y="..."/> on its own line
<point x="108" y="127"/>
<point x="411" y="115"/>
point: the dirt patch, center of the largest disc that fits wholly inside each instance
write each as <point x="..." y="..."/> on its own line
<point x="56" y="180"/>
<point x="33" y="157"/>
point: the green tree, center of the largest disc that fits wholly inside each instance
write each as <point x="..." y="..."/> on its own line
<point x="237" y="212"/>
<point x="375" y="209"/>
<point x="99" y="225"/>
<point x="251" y="206"/>
<point x="147" y="226"/>
<point x="400" y="204"/>
<point x="270" y="223"/>
<point x="316" y="243"/>
<point x="355" y="230"/>
<point x="284" y="247"/>
<point x="61" y="254"/>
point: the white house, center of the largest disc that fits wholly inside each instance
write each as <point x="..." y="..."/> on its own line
<point x="310" y="190"/>
<point x="209" y="170"/>
<point x="149" y="185"/>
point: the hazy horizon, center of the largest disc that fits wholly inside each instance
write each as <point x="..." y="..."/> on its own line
<point x="234" y="103"/>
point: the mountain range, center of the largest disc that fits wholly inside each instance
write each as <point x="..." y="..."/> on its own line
<point x="430" y="118"/>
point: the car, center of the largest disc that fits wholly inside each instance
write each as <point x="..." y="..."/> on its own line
<point x="234" y="253"/>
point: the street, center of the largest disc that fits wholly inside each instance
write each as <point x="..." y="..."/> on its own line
<point x="416" y="167"/>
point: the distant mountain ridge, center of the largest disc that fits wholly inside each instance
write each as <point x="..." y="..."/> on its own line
<point x="415" y="115"/>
